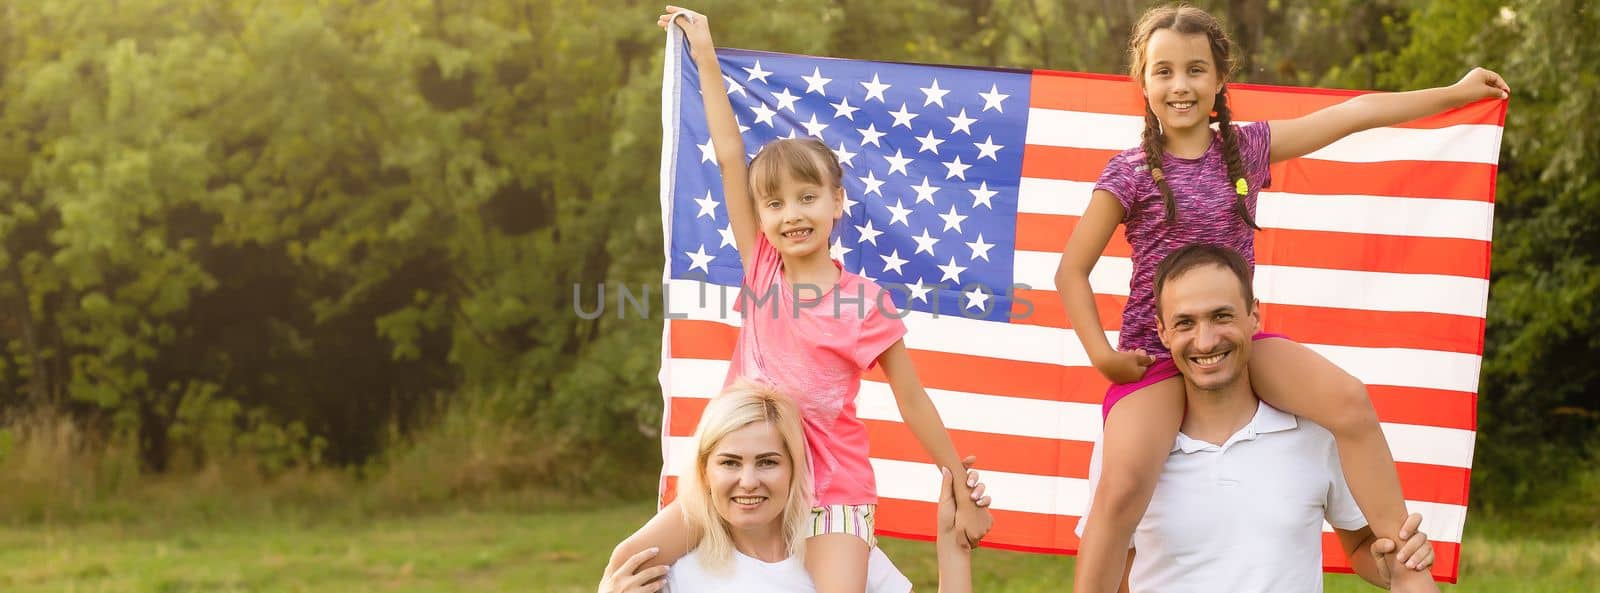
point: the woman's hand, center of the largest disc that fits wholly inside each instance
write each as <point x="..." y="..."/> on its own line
<point x="629" y="579"/>
<point x="696" y="27"/>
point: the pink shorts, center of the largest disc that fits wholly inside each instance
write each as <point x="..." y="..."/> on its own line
<point x="1162" y="370"/>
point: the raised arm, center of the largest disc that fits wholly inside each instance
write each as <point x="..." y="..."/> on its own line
<point x="1293" y="138"/>
<point x="725" y="137"/>
<point x="1083" y="249"/>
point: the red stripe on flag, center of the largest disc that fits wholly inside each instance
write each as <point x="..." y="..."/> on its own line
<point x="1301" y="248"/>
<point x="973" y="374"/>
<point x="1118" y="95"/>
<point x="1416" y="179"/>
<point x="1026" y="532"/>
<point x="1310" y="325"/>
<point x="1063" y="457"/>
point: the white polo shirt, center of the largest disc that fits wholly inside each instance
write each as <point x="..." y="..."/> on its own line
<point x="789" y="575"/>
<point x="1245" y="516"/>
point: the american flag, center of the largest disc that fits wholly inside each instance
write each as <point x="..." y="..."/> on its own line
<point x="963" y="185"/>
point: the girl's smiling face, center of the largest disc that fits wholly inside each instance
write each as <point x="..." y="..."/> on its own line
<point x="1180" y="79"/>
<point x="798" y="218"/>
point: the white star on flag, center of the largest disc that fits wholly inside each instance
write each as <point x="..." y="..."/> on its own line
<point x="935" y="95"/>
<point x="727" y="236"/>
<point x="982" y="195"/>
<point x="980" y="249"/>
<point x="952" y="271"/>
<point x="929" y="143"/>
<point x="988" y="148"/>
<point x="977" y="298"/>
<point x="961" y="122"/>
<point x="902" y="117"/>
<point x="925" y="242"/>
<point x="708" y="206"/>
<point x="925" y="191"/>
<point x="870" y="135"/>
<point x="700" y="259"/>
<point x="955" y="168"/>
<point x="919" y="291"/>
<point x="785" y="99"/>
<point x="763" y="114"/>
<point x="756" y="73"/>
<point x="868" y="234"/>
<point x="708" y="152"/>
<point x="993" y="98"/>
<point x="734" y="87"/>
<point x="873" y="184"/>
<point x="813" y="127"/>
<point x="816" y="82"/>
<point x="952" y="220"/>
<point x="875" y="89"/>
<point x="898" y="162"/>
<point x="893" y="262"/>
<point x="844" y="110"/>
<point x="844" y="156"/>
<point x="898" y="213"/>
<point x="837" y="250"/>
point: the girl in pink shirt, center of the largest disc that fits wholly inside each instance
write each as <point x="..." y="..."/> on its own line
<point x="811" y="329"/>
<point x="1187" y="183"/>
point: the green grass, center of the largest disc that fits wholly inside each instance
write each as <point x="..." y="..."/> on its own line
<point x="560" y="552"/>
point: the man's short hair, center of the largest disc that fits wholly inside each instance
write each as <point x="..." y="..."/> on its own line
<point x="1190" y="257"/>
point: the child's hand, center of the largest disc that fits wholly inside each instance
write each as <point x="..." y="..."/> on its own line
<point x="951" y="528"/>
<point x="1125" y="367"/>
<point x="1483" y="84"/>
<point x="974" y="523"/>
<point x="696" y="27"/>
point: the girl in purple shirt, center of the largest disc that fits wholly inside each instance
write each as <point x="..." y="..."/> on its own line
<point x="1188" y="183"/>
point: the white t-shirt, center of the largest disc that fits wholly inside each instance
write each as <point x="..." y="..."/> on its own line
<point x="747" y="574"/>
<point x="1245" y="516"/>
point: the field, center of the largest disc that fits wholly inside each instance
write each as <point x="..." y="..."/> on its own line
<point x="560" y="552"/>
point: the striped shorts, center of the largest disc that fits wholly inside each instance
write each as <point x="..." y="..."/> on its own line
<point x="859" y="520"/>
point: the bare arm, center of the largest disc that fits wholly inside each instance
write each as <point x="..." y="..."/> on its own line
<point x="1083" y="249"/>
<point x="1306" y="134"/>
<point x="919" y="413"/>
<point x="1358" y="548"/>
<point x="725" y="137"/>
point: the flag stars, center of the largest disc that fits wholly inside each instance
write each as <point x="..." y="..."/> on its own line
<point x="919" y="291"/>
<point x="874" y="185"/>
<point x="977" y="299"/>
<point x="955" y="168"/>
<point x="700" y="259"/>
<point x="734" y="87"/>
<point x="925" y="191"/>
<point x="934" y="95"/>
<point x="925" y="242"/>
<point x="838" y="250"/>
<point x="952" y="220"/>
<point x="898" y="162"/>
<point x="708" y="152"/>
<point x="951" y="271"/>
<point x="727" y="236"/>
<point x="844" y="110"/>
<point x="756" y="73"/>
<point x="785" y="99"/>
<point x="980" y="249"/>
<point x="763" y="114"/>
<point x="870" y="135"/>
<point x="988" y="149"/>
<point x="708" y="206"/>
<point x="982" y="196"/>
<point x="929" y="143"/>
<point x="813" y="127"/>
<point x="816" y="83"/>
<point x="844" y="155"/>
<point x="902" y="117"/>
<point x="993" y="98"/>
<point x="869" y="234"/>
<point x="848" y="204"/>
<point x="899" y="213"/>
<point x="961" y="122"/>
<point x="894" y="262"/>
<point x="875" y="88"/>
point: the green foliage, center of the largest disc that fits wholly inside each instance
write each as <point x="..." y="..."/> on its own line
<point x="282" y="230"/>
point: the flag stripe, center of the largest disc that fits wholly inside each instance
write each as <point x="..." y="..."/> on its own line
<point x="1468" y="143"/>
<point x="1037" y="417"/>
<point x="1073" y="91"/>
<point x="711" y="341"/>
<point x="1419" y="179"/>
<point x="1357" y="214"/>
<point x="1301" y="248"/>
<point x="1317" y="325"/>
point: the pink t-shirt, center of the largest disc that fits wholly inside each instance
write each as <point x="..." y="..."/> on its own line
<point x="1204" y="197"/>
<point x="815" y="350"/>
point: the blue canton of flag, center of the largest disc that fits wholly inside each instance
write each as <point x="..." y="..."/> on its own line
<point x="932" y="157"/>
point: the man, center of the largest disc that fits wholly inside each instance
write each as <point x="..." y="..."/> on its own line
<point x="1241" y="501"/>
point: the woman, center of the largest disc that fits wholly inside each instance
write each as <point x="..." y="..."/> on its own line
<point x="748" y="501"/>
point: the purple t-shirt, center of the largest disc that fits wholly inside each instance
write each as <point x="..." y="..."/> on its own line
<point x="1204" y="196"/>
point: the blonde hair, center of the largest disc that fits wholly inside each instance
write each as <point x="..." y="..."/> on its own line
<point x="740" y="405"/>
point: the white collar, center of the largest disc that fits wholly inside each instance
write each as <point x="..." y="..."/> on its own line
<point x="1267" y="419"/>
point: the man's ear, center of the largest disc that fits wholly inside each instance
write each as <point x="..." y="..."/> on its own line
<point x="1255" y="315"/>
<point x="1161" y="330"/>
